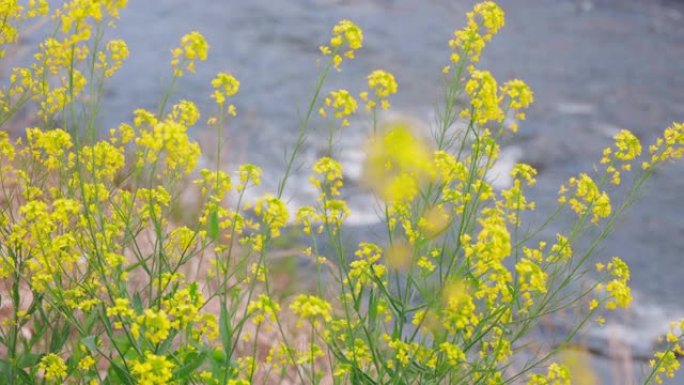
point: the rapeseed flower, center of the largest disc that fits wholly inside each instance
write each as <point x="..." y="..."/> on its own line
<point x="54" y="367"/>
<point x="312" y="308"/>
<point x="153" y="369"/>
<point x="225" y="85"/>
<point x="346" y="39"/>
<point x="382" y="85"/>
<point x="341" y="104"/>
<point x="193" y="47"/>
<point x="263" y="309"/>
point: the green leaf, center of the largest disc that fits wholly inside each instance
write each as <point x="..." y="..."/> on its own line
<point x="137" y="303"/>
<point x="225" y="330"/>
<point x="28" y="360"/>
<point x="90" y="342"/>
<point x="123" y="375"/>
<point x="60" y="338"/>
<point x="214" y="225"/>
<point x="122" y="342"/>
<point x="25" y="378"/>
<point x="192" y="361"/>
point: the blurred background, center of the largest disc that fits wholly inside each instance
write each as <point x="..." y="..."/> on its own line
<point x="596" y="66"/>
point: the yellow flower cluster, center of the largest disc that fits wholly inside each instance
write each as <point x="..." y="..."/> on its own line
<point x="263" y="309"/>
<point x="619" y="293"/>
<point x="167" y="140"/>
<point x="396" y="163"/>
<point x="382" y="85"/>
<point x="103" y="160"/>
<point x="215" y="183"/>
<point x="627" y="148"/>
<point x="156" y="325"/>
<point x="458" y="312"/>
<point x="556" y="375"/>
<point x="532" y="279"/>
<point x="341" y="103"/>
<point x="330" y="173"/>
<point x="249" y="174"/>
<point x="333" y="211"/>
<point x="109" y="61"/>
<point x="668" y="147"/>
<point x="273" y="213"/>
<point x="121" y="308"/>
<point x="587" y="198"/>
<point x="665" y="363"/>
<point x="193" y="47"/>
<point x="484" y="21"/>
<point x="13" y="13"/>
<point x="407" y="353"/>
<point x="184" y="305"/>
<point x="668" y="365"/>
<point x="225" y="85"/>
<point x="520" y="97"/>
<point x="514" y="198"/>
<point x="312" y="308"/>
<point x="153" y="370"/>
<point x="365" y="270"/>
<point x="484" y="98"/>
<point x="54" y="367"/>
<point x="346" y="38"/>
<point x="48" y="147"/>
<point x="358" y="355"/>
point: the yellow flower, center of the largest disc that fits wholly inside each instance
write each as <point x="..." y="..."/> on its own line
<point x="185" y="304"/>
<point x="103" y="160"/>
<point x="667" y="363"/>
<point x="86" y="363"/>
<point x="587" y="198"/>
<point x="453" y="353"/>
<point x="627" y="144"/>
<point x="167" y="140"/>
<point x="458" y="310"/>
<point x="54" y="367"/>
<point x="484" y="98"/>
<point x="262" y="309"/>
<point x="396" y="163"/>
<point x="330" y="180"/>
<point x="484" y="21"/>
<point x="48" y="147"/>
<point x="466" y="42"/>
<point x="153" y="370"/>
<point x="311" y="308"/>
<point x="341" y="103"/>
<point x="273" y="212"/>
<point x="562" y="249"/>
<point x="185" y="112"/>
<point x="193" y="47"/>
<point x="225" y="85"/>
<point x="346" y="38"/>
<point x="531" y="279"/>
<point x="249" y="173"/>
<point x="121" y="308"/>
<point x="556" y="375"/>
<point x="156" y="324"/>
<point x="520" y="97"/>
<point x="490" y="15"/>
<point x="366" y="269"/>
<point x="382" y="84"/>
<point x="117" y="51"/>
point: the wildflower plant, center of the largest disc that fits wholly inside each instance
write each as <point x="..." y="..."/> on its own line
<point x="100" y="285"/>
